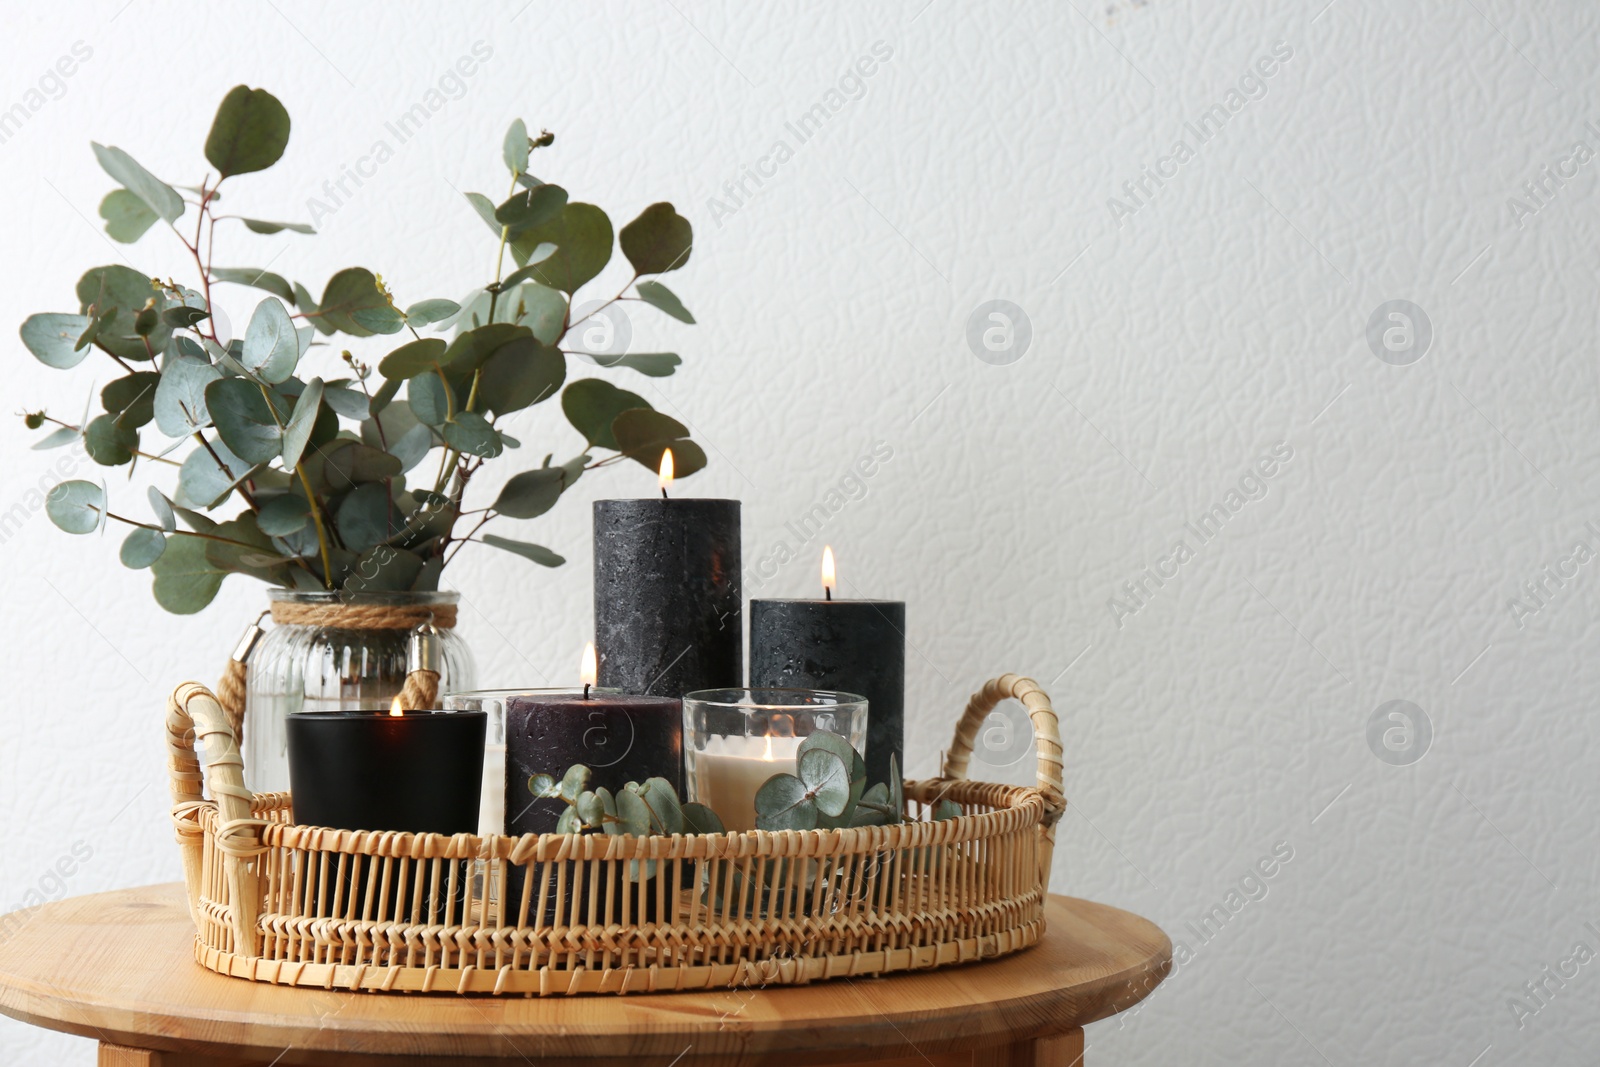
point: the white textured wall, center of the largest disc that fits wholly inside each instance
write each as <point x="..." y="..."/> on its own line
<point x="1173" y="344"/>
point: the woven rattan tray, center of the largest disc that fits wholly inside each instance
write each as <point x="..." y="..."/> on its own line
<point x="557" y="914"/>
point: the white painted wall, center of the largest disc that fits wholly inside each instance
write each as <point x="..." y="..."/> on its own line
<point x="1171" y="348"/>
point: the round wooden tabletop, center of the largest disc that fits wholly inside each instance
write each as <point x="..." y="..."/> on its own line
<point x="119" y="967"/>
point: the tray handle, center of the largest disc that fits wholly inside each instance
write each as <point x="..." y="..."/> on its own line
<point x="194" y="713"/>
<point x="1046" y="735"/>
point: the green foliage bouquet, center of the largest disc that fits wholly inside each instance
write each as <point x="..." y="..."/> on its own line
<point x="314" y="482"/>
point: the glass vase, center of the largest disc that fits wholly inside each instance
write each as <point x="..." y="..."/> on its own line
<point x="301" y="665"/>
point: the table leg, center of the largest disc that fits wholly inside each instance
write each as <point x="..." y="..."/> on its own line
<point x="1060" y="1050"/>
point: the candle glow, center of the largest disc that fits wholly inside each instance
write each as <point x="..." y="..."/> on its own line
<point x="665" y="474"/>
<point x="590" y="668"/>
<point x="830" y="579"/>
<point x="397" y="709"/>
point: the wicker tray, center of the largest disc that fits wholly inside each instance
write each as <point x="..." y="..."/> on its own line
<point x="557" y="914"/>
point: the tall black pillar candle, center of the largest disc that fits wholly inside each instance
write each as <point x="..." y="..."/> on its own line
<point x="666" y="595"/>
<point x="856" y="646"/>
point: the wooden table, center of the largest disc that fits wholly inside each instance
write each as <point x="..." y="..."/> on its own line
<point x="119" y="967"/>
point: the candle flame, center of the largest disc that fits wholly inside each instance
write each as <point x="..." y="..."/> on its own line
<point x="830" y="580"/>
<point x="665" y="475"/>
<point x="768" y="754"/>
<point x="589" y="671"/>
<point x="397" y="709"/>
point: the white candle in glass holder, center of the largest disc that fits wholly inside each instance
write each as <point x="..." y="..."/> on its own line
<point x="729" y="771"/>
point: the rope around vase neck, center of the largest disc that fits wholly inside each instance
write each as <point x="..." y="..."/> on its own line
<point x="345" y="616"/>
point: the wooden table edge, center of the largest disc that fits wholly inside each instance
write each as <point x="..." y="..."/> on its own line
<point x="145" y="1024"/>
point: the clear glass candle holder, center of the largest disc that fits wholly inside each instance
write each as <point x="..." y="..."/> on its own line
<point x="735" y="739"/>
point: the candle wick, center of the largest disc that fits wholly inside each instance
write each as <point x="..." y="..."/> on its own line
<point x="827" y="592"/>
<point x="663" y="492"/>
<point x="586" y="690"/>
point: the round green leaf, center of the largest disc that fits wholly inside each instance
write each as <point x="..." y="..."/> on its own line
<point x="202" y="483"/>
<point x="542" y="310"/>
<point x="650" y="364"/>
<point x="180" y="399"/>
<point x="367" y="517"/>
<point x="521" y="374"/>
<point x="582" y="236"/>
<point x="271" y="346"/>
<point x="250" y="132"/>
<point x="132" y="397"/>
<point x="117" y="294"/>
<point x="53" y="339"/>
<point x="782" y="804"/>
<point x="283" y="515"/>
<point x="353" y="463"/>
<point x="351" y="403"/>
<point x="591" y="405"/>
<point x="185" y="580"/>
<point x="427" y="397"/>
<point x="471" y="434"/>
<point x="699" y="819"/>
<point x="352" y="290"/>
<point x="633" y="815"/>
<point x="658" y="240"/>
<point x="142" y="548"/>
<point x="529" y="208"/>
<point x="412" y="358"/>
<point x="643" y="435"/>
<point x="531" y="493"/>
<point x="127" y="217"/>
<point x="244" y="419"/>
<point x="827" y="778"/>
<point x="76" y="506"/>
<point x="426" y="312"/>
<point x="515" y="151"/>
<point x="109" y="443"/>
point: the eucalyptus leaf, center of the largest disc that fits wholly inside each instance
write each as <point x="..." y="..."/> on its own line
<point x="76" y="506"/>
<point x="57" y="438"/>
<point x="485" y="209"/>
<point x="642" y="435"/>
<point x="132" y="398"/>
<point x="284" y="515"/>
<point x="657" y="295"/>
<point x="53" y="339"/>
<point x="271" y="346"/>
<point x="301" y="423"/>
<point x="367" y="517"/>
<point x="783" y="803"/>
<point x="263" y="226"/>
<point x="353" y="463"/>
<point x="542" y="310"/>
<point x="157" y="195"/>
<point x="250" y="132"/>
<point x="118" y="294"/>
<point x="352" y="290"/>
<point x="520" y="374"/>
<point x="351" y="403"/>
<point x="470" y="434"/>
<point x="180" y="399"/>
<point x="426" y="393"/>
<point x="163" y="509"/>
<point x="582" y="235"/>
<point x="515" y="150"/>
<point x="108" y="442"/>
<point x="529" y="208"/>
<point x="827" y="778"/>
<point x="413" y="357"/>
<point x="658" y="240"/>
<point x="142" y="547"/>
<point x="127" y="217"/>
<point x="699" y="819"/>
<point x="248" y="423"/>
<point x="633" y="815"/>
<point x="184" y="317"/>
<point x="531" y="493"/>
<point x="538" y="553"/>
<point x="574" y="781"/>
<point x="427" y="312"/>
<point x="185" y="580"/>
<point x="276" y="284"/>
<point x="650" y="364"/>
<point x="531" y="261"/>
<point x="543" y="786"/>
<point x="202" y="483"/>
<point x="592" y="405"/>
<point x="384" y="569"/>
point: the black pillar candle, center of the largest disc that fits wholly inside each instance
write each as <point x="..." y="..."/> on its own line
<point x="666" y="595"/>
<point x="856" y="646"/>
<point x="621" y="739"/>
<point x="418" y="772"/>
